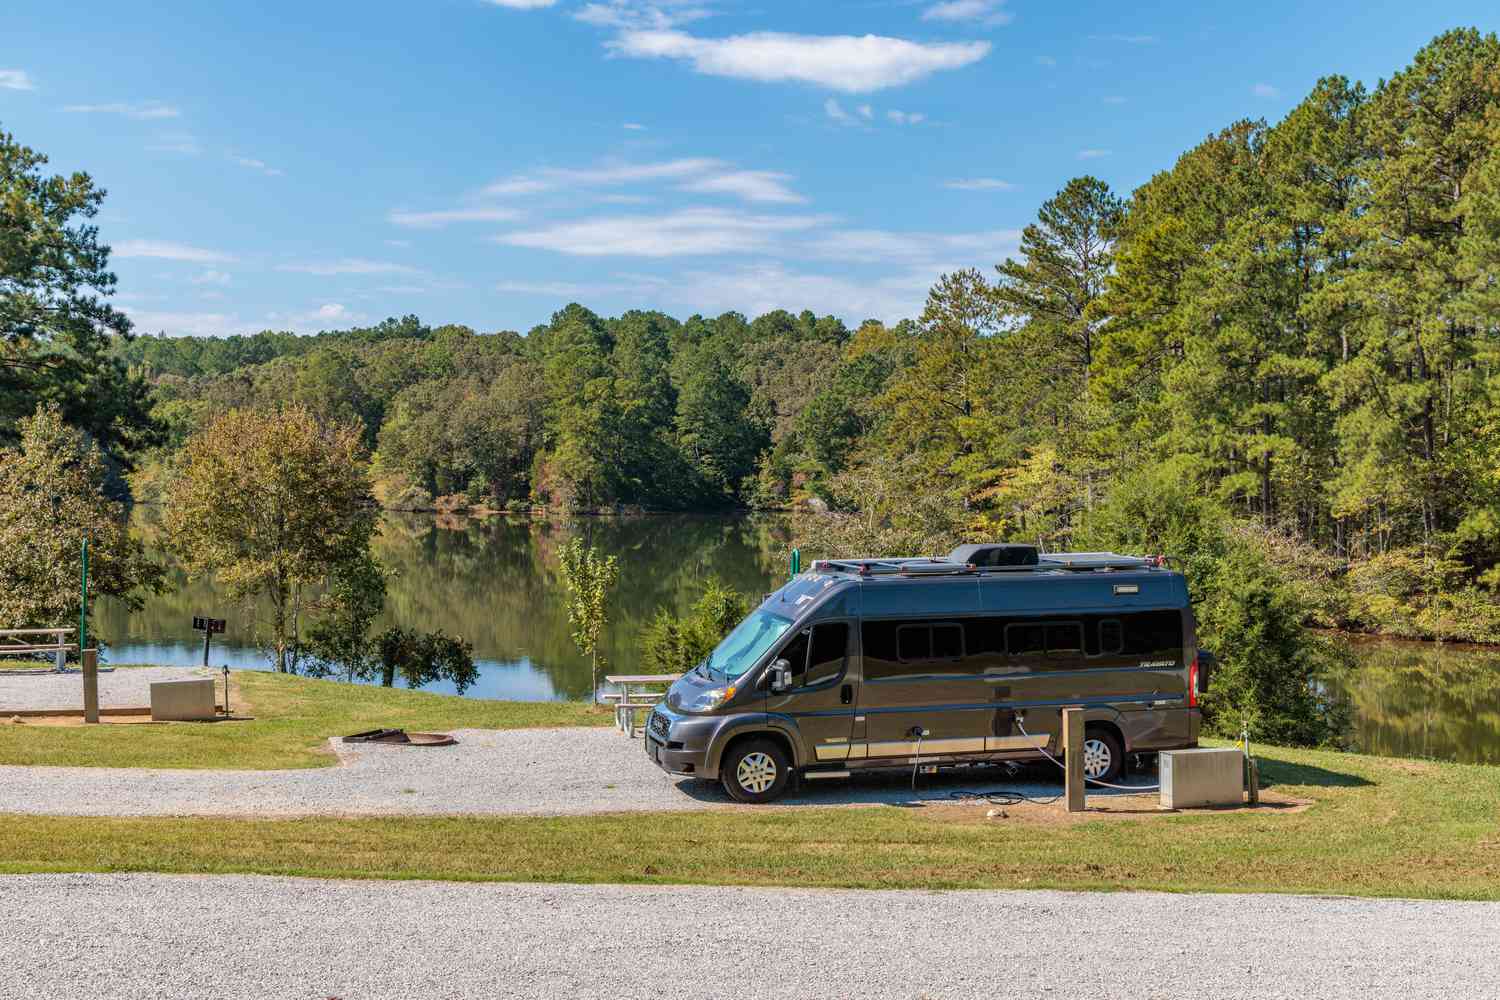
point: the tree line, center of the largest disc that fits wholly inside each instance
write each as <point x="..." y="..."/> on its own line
<point x="1274" y="361"/>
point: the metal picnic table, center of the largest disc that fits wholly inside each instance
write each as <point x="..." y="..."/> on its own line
<point x="627" y="701"/>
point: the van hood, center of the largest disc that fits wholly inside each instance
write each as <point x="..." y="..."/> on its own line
<point x="694" y="692"/>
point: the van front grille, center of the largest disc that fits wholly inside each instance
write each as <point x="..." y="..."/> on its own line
<point x="659" y="724"/>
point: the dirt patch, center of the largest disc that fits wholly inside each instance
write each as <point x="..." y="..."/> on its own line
<point x="117" y="717"/>
<point x="1114" y="807"/>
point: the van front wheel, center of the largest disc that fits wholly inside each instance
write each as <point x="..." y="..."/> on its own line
<point x="755" y="771"/>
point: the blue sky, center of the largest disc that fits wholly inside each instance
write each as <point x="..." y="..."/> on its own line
<point x="321" y="164"/>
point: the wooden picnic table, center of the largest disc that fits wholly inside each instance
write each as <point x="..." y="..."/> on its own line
<point x="628" y="702"/>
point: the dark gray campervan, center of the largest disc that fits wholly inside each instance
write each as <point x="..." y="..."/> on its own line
<point x="870" y="663"/>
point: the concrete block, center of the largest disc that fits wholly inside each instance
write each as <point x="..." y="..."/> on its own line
<point x="1201" y="777"/>
<point x="179" y="701"/>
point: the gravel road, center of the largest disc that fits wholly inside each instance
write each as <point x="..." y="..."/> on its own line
<point x="123" y="688"/>
<point x="512" y="772"/>
<point x="228" y="937"/>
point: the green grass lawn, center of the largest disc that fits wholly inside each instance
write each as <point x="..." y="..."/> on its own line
<point x="293" y="718"/>
<point x="9" y="664"/>
<point x="1374" y="826"/>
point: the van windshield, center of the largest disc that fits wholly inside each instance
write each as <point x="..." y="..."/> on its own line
<point x="746" y="644"/>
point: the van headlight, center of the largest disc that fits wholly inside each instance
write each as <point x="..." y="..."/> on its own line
<point x="713" y="698"/>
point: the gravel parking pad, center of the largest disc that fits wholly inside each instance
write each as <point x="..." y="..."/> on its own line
<point x="231" y="937"/>
<point x="123" y="688"/>
<point x="490" y="772"/>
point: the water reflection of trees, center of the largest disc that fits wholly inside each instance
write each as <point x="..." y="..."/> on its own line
<point x="495" y="582"/>
<point x="1423" y="700"/>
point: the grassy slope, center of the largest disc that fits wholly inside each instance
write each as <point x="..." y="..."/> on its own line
<point x="294" y="717"/>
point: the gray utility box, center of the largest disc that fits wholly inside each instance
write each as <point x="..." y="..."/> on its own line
<point x="1202" y="777"/>
<point x="179" y="701"/>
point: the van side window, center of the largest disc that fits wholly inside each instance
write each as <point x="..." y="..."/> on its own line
<point x="1025" y="638"/>
<point x="947" y="642"/>
<point x="984" y="637"/>
<point x="795" y="653"/>
<point x="1064" y="640"/>
<point x="914" y="643"/>
<point x="913" y="649"/>
<point x="1154" y="634"/>
<point x="1111" y="637"/>
<point x="830" y="648"/>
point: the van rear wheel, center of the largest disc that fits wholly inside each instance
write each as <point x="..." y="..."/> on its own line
<point x="1103" y="756"/>
<point x="756" y="771"/>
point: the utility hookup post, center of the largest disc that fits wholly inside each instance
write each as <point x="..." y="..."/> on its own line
<point x="1072" y="731"/>
<point x="226" y="689"/>
<point x="208" y="626"/>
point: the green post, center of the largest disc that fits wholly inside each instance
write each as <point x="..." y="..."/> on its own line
<point x="796" y="562"/>
<point x="83" y="602"/>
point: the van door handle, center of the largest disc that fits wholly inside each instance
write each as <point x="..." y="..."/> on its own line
<point x="846" y="694"/>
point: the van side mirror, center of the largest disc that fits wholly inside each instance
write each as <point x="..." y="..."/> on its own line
<point x="781" y="676"/>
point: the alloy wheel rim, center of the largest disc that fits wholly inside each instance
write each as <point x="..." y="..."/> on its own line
<point x="1096" y="758"/>
<point x="757" y="772"/>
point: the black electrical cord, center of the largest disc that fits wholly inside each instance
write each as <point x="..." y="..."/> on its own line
<point x="1086" y="778"/>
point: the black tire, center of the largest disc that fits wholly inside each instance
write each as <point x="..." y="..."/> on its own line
<point x="755" y="770"/>
<point x="1103" y="754"/>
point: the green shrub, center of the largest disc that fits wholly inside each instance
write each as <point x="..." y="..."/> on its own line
<point x="671" y="645"/>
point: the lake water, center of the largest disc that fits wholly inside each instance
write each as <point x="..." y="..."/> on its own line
<point x="496" y="582"/>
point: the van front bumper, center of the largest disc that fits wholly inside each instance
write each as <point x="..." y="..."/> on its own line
<point x="677" y="744"/>
<point x="686" y="762"/>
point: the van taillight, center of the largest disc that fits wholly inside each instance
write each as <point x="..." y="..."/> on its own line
<point x="1193" y="684"/>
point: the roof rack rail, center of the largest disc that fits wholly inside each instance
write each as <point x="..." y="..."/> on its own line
<point x="1090" y="561"/>
<point x="1051" y="562"/>
<point x="907" y="566"/>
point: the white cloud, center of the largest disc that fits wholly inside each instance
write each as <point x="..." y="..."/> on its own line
<point x="149" y="111"/>
<point x="1265" y="90"/>
<point x="15" y="79"/>
<point x="250" y="163"/>
<point x="397" y="243"/>
<point x="865" y="111"/>
<point x="687" y="231"/>
<point x="559" y="289"/>
<point x="875" y="246"/>
<point x="521" y="4"/>
<point x="332" y="311"/>
<point x="347" y="265"/>
<point x="751" y="185"/>
<point x="435" y="220"/>
<point x="634" y="126"/>
<point x="163" y="250"/>
<point x="608" y="175"/>
<point x="906" y="117"/>
<point x="985" y="12"/>
<point x="210" y="277"/>
<point x="846" y="63"/>
<point x="1093" y="154"/>
<point x="184" y="324"/>
<point x="635" y="14"/>
<point x="980" y="184"/>
<point x="177" y="142"/>
<point x="836" y="111"/>
<point x="761" y="288"/>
